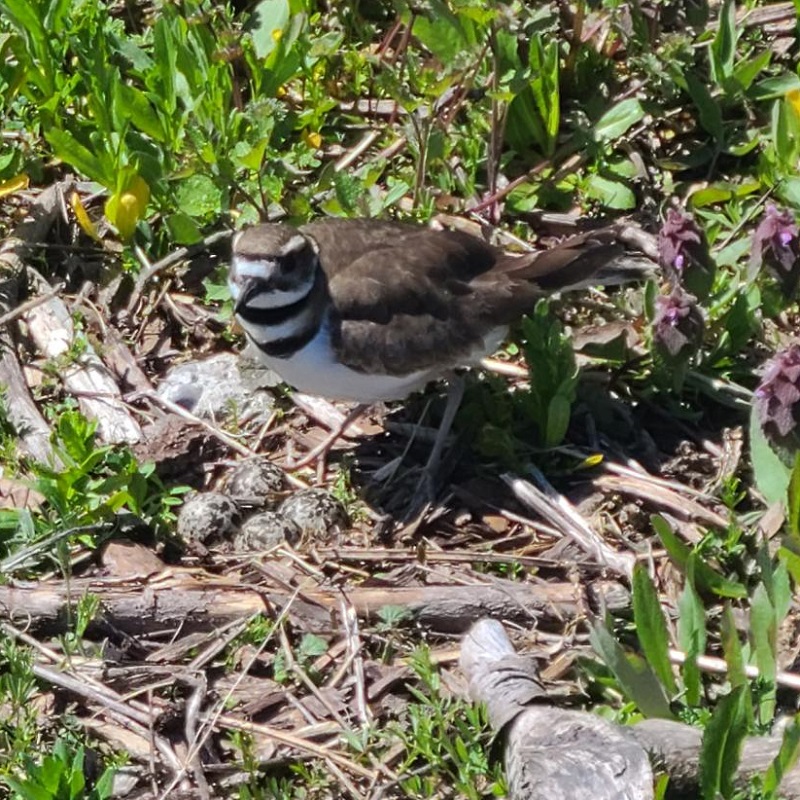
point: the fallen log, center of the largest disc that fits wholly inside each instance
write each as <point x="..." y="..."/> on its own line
<point x="553" y="752"/>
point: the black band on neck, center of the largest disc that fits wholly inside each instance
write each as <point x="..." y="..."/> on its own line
<point x="288" y="346"/>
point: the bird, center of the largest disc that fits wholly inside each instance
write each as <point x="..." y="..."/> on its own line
<point x="370" y="310"/>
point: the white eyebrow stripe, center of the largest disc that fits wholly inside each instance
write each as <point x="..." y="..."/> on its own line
<point x="294" y="244"/>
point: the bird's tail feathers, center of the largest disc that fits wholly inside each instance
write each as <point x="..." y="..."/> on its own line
<point x="607" y="257"/>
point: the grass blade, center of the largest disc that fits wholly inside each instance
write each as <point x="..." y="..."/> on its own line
<point x="651" y="627"/>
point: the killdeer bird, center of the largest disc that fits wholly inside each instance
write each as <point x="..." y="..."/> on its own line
<point x="367" y="310"/>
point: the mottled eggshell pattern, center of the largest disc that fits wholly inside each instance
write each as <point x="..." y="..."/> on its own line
<point x="256" y="482"/>
<point x="264" y="531"/>
<point x="207" y="517"/>
<point x="317" y="513"/>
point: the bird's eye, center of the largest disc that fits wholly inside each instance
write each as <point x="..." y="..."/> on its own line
<point x="289" y="262"/>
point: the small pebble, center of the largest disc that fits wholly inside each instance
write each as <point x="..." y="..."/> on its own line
<point x="316" y="513"/>
<point x="264" y="531"/>
<point x="256" y="482"/>
<point x="207" y="517"/>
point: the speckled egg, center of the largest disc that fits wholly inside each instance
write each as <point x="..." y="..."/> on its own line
<point x="256" y="482"/>
<point x="316" y="513"/>
<point x="207" y="517"/>
<point x="264" y="531"/>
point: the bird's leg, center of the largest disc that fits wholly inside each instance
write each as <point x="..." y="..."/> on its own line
<point x="321" y="451"/>
<point x="455" y="394"/>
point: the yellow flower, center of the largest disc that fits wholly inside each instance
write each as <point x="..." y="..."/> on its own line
<point x="15" y="184"/>
<point x="312" y="139"/>
<point x="793" y="98"/>
<point x="125" y="208"/>
<point x="79" y="209"/>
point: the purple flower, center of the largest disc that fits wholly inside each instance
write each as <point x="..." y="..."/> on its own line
<point x="684" y="253"/>
<point x="776" y="245"/>
<point x="777" y="398"/>
<point x="678" y="324"/>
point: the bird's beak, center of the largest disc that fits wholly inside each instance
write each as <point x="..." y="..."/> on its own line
<point x="242" y="289"/>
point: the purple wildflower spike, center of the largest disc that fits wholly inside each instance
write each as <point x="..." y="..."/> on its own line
<point x="678" y="324"/>
<point x="684" y="253"/>
<point x="777" y="398"/>
<point x="776" y="245"/>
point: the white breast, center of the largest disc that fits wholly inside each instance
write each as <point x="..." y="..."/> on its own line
<point x="315" y="370"/>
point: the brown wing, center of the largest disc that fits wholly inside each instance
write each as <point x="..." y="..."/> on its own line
<point x="420" y="300"/>
<point x="417" y="298"/>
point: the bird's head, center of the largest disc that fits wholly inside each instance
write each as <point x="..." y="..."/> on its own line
<point x="272" y="266"/>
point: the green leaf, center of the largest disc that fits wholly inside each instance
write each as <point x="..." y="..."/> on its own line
<point x="747" y="71"/>
<point x="722" y="744"/>
<point x="708" y="108"/>
<point x="723" y="48"/>
<point x="710" y="195"/>
<point x="183" y="229"/>
<point x="635" y="676"/>
<point x="732" y="649"/>
<point x="558" y="415"/>
<point x="250" y="156"/>
<point x="199" y="197"/>
<point x="784" y="760"/>
<point x="764" y="634"/>
<point x="166" y="57"/>
<point x="791" y="561"/>
<point x="134" y="105"/>
<point x="785" y="134"/>
<point x="27" y="789"/>
<point x="75" y="776"/>
<point x="651" y="628"/>
<point x="793" y="504"/>
<point x="70" y="150"/>
<point x="267" y="25"/>
<point x="680" y="554"/>
<point x="778" y="86"/>
<point x="551" y="362"/>
<point x="348" y="189"/>
<point x="444" y="33"/>
<point x="612" y="194"/>
<point x="23" y="14"/>
<point x="788" y="190"/>
<point x="396" y="193"/>
<point x="619" y="119"/>
<point x="691" y="634"/>
<point x="771" y="474"/>
<point x="312" y="646"/>
<point x="780" y="591"/>
<point x="544" y="64"/>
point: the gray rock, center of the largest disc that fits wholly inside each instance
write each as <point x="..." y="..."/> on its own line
<point x="214" y="388"/>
